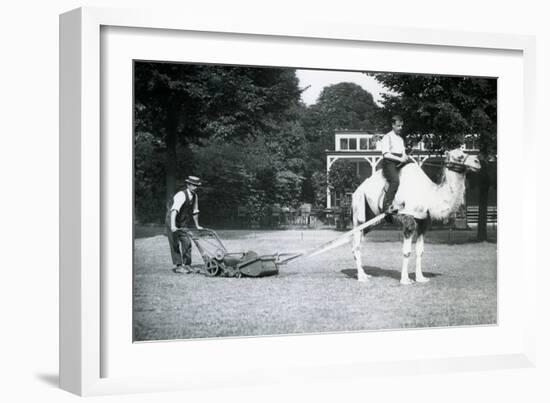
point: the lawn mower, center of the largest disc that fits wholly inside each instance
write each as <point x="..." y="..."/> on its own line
<point x="219" y="262"/>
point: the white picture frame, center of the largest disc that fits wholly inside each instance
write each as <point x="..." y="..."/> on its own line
<point x="85" y="309"/>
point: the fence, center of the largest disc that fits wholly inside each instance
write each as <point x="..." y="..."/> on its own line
<point x="472" y="214"/>
<point x="339" y="218"/>
<point x="280" y="217"/>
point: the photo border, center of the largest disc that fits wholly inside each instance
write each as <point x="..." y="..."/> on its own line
<point x="81" y="307"/>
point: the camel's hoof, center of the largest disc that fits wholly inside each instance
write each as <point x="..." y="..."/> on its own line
<point x="362" y="276"/>
<point x="422" y="279"/>
<point x="406" y="281"/>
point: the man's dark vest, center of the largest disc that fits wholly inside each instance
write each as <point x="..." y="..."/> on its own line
<point x="184" y="218"/>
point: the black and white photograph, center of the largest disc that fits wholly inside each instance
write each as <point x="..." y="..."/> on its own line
<point x="276" y="201"/>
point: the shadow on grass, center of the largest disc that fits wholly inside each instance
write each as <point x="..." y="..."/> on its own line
<point x="379" y="272"/>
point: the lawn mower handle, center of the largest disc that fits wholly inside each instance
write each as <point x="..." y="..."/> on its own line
<point x="196" y="233"/>
<point x="204" y="230"/>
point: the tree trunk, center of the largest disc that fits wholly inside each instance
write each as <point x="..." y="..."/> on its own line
<point x="171" y="155"/>
<point x="483" y="200"/>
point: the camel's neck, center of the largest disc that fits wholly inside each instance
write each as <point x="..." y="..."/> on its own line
<point x="449" y="195"/>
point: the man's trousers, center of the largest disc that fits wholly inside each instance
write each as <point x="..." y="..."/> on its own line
<point x="180" y="247"/>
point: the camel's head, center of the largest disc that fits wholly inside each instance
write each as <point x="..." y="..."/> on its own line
<point x="458" y="160"/>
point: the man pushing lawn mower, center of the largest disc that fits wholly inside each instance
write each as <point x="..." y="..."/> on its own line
<point x="184" y="214"/>
<point x="183" y="229"/>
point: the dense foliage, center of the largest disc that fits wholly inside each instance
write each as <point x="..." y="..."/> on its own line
<point x="206" y="120"/>
<point x="343" y="106"/>
<point x="342" y="177"/>
<point x="243" y="130"/>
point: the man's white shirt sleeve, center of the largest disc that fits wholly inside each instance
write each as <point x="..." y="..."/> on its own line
<point x="179" y="199"/>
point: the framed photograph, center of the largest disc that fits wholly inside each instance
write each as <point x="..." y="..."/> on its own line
<point x="243" y="202"/>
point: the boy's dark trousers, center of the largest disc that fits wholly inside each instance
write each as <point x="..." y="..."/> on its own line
<point x="390" y="170"/>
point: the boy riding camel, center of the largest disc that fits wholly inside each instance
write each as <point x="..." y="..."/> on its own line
<point x="394" y="158"/>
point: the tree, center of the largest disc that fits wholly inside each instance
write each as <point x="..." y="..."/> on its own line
<point x="180" y="104"/>
<point x="343" y="177"/>
<point x="148" y="167"/>
<point x="319" y="183"/>
<point x="242" y="175"/>
<point x="448" y="109"/>
<point x="233" y="174"/>
<point x="341" y="106"/>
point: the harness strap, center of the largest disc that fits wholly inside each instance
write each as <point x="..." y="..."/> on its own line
<point x="456" y="167"/>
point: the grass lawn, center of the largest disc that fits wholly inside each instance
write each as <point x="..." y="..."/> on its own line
<point x="319" y="294"/>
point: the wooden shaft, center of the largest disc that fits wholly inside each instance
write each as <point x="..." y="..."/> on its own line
<point x="341" y="240"/>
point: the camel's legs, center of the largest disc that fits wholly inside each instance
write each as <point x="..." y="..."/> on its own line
<point x="407" y="245"/>
<point x="419" y="251"/>
<point x="361" y="275"/>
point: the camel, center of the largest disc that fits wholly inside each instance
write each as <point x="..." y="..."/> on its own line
<point x="418" y="200"/>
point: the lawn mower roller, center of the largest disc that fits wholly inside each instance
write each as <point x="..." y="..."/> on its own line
<point x="219" y="262"/>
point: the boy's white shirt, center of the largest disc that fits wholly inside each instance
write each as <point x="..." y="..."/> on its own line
<point x="392" y="143"/>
